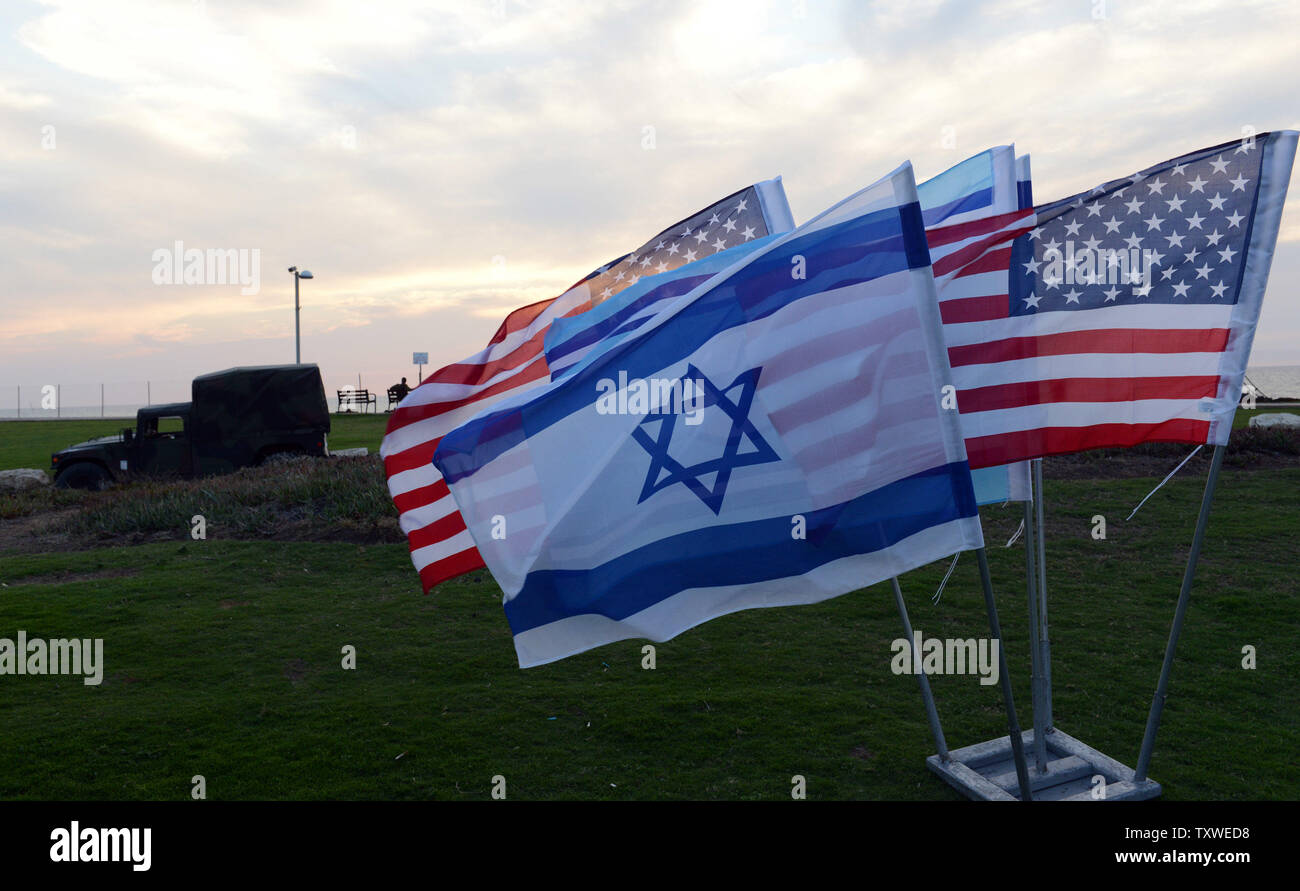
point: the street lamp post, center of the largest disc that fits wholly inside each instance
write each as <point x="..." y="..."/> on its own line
<point x="297" y="307"/>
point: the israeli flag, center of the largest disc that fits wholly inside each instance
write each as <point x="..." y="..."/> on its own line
<point x="773" y="437"/>
<point x="982" y="186"/>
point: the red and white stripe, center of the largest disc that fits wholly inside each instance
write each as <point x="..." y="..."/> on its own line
<point x="1062" y="381"/>
<point x="441" y="547"/>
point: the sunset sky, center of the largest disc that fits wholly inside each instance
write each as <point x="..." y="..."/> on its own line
<point x="396" y="148"/>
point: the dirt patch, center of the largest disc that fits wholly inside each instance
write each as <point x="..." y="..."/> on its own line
<point x="38" y="533"/>
<point x="351" y="533"/>
<point x="1249" y="448"/>
<point x="43" y="533"/>
<point x="1113" y="464"/>
<point x="121" y="678"/>
<point x="337" y="500"/>
<point x="64" y="576"/>
<point x="296" y="670"/>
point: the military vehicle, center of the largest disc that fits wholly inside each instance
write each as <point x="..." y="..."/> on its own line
<point x="237" y="418"/>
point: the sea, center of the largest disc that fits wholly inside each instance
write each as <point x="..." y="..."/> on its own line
<point x="1276" y="381"/>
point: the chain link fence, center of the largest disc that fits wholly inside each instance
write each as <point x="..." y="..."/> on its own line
<point x="76" y="399"/>
<point x="122" y="399"/>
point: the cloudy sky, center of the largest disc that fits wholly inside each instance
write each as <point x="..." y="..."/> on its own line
<point x="439" y="164"/>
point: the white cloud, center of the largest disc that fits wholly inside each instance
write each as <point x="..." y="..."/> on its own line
<point x="13" y="96"/>
<point x="396" y="148"/>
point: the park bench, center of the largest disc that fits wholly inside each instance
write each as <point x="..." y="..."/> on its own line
<point x="395" y="395"/>
<point x="353" y="396"/>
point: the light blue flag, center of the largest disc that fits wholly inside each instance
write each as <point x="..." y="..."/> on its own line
<point x="981" y="185"/>
<point x="773" y="437"/>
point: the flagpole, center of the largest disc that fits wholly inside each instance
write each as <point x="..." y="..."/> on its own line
<point x="1013" y="725"/>
<point x="1035" y="664"/>
<point x="1044" y="642"/>
<point x="931" y="713"/>
<point x="1184" y="595"/>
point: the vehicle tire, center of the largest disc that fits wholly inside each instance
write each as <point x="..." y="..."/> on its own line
<point x="83" y="475"/>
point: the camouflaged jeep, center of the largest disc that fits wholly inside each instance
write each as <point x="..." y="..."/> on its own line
<point x="237" y="418"/>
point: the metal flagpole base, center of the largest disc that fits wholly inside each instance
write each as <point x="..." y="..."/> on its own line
<point x="986" y="772"/>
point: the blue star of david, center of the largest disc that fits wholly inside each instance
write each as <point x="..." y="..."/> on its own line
<point x="741" y="428"/>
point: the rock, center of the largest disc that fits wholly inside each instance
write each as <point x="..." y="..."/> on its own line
<point x="23" y="479"/>
<point x="1275" y="419"/>
<point x="349" y="453"/>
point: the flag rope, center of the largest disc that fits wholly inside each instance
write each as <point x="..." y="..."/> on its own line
<point x="1016" y="535"/>
<point x="943" y="584"/>
<point x="1168" y="476"/>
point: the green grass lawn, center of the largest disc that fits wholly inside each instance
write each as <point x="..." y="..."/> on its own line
<point x="30" y="443"/>
<point x="223" y="659"/>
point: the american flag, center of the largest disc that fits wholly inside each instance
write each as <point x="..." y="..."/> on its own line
<point x="968" y="211"/>
<point x="1120" y="321"/>
<point x="441" y="548"/>
<point x="973" y="284"/>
